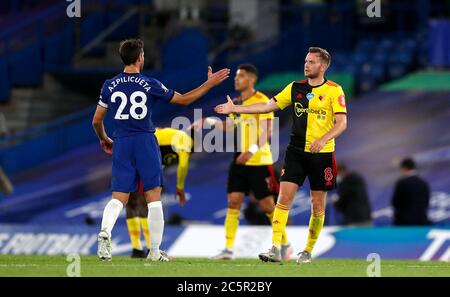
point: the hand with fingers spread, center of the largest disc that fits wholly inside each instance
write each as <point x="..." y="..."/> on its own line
<point x="216" y="78"/>
<point x="225" y="108"/>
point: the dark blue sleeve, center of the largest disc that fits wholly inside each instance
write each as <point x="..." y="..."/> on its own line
<point x="104" y="96"/>
<point x="159" y="91"/>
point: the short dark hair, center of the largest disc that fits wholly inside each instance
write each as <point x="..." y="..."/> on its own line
<point x="408" y="163"/>
<point x="323" y="53"/>
<point x="249" y="68"/>
<point x="130" y="49"/>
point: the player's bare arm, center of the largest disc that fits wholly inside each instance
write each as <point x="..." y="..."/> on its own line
<point x="97" y="122"/>
<point x="230" y="107"/>
<point x="339" y="126"/>
<point x="266" y="132"/>
<point x="214" y="79"/>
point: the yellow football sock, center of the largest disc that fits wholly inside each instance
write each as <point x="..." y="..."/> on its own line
<point x="280" y="217"/>
<point x="231" y="225"/>
<point x="284" y="238"/>
<point x="134" y="229"/>
<point x="315" y="226"/>
<point x="144" y="225"/>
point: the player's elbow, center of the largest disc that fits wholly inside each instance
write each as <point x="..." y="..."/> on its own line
<point x="182" y="102"/>
<point x="179" y="99"/>
<point x="96" y="122"/>
<point x="342" y="123"/>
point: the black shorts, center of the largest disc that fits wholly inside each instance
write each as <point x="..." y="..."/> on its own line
<point x="259" y="180"/>
<point x="320" y="169"/>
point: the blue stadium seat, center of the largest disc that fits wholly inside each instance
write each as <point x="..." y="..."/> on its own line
<point x="374" y="70"/>
<point x="91" y="26"/>
<point x="128" y="29"/>
<point x="397" y="70"/>
<point x="4" y="78"/>
<point x="188" y="48"/>
<point x="26" y="66"/>
<point x="366" y="82"/>
<point x="58" y="49"/>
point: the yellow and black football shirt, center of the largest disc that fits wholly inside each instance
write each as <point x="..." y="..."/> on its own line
<point x="175" y="146"/>
<point x="250" y="131"/>
<point x="313" y="111"/>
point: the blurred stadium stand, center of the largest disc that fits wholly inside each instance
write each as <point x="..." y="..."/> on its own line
<point x="52" y="67"/>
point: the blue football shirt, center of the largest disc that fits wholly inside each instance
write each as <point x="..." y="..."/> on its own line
<point x="130" y="98"/>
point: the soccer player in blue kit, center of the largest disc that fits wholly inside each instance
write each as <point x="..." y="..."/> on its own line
<point x="130" y="96"/>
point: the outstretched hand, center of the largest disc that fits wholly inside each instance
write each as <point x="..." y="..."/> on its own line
<point x="225" y="108"/>
<point x="216" y="78"/>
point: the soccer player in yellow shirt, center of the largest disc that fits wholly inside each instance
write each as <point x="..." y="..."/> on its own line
<point x="319" y="116"/>
<point x="175" y="146"/>
<point x="251" y="170"/>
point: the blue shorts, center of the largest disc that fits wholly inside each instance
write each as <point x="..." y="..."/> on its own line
<point x="136" y="157"/>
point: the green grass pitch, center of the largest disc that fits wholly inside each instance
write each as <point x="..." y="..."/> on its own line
<point x="125" y="266"/>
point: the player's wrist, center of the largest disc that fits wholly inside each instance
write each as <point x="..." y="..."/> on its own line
<point x="208" y="84"/>
<point x="325" y="139"/>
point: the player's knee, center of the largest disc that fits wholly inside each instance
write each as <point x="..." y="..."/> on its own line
<point x="285" y="198"/>
<point x="131" y="211"/>
<point x="131" y="203"/>
<point x="142" y="209"/>
<point x="267" y="204"/>
<point x="318" y="199"/>
<point x="318" y="206"/>
<point x="234" y="202"/>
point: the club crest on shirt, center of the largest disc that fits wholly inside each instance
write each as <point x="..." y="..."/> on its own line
<point x="309" y="96"/>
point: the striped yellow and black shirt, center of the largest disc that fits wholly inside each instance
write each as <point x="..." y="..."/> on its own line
<point x="313" y="111"/>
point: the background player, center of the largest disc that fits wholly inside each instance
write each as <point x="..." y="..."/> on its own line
<point x="130" y="96"/>
<point x="319" y="116"/>
<point x="176" y="146"/>
<point x="251" y="170"/>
